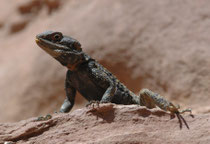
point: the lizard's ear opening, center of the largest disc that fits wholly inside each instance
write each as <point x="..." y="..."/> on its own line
<point x="77" y="46"/>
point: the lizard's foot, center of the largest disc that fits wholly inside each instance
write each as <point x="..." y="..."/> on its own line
<point x="92" y="103"/>
<point x="44" y="118"/>
<point x="66" y="106"/>
<point x="175" y="109"/>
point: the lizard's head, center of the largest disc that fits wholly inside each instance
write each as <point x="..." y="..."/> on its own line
<point x="65" y="49"/>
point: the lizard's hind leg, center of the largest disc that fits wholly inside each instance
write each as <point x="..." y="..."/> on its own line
<point x="146" y="98"/>
<point x="151" y="100"/>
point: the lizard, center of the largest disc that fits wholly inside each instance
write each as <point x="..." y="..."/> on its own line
<point x="93" y="81"/>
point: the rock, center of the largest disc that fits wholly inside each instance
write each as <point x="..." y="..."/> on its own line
<point x="35" y="6"/>
<point x="109" y="123"/>
<point x="18" y="26"/>
<point x="161" y="45"/>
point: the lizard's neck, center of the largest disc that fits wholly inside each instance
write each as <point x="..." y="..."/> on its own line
<point x="74" y="65"/>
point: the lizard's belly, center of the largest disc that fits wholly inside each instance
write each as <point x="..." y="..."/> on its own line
<point x="86" y="87"/>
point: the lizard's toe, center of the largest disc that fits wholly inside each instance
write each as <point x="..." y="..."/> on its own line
<point x="92" y="103"/>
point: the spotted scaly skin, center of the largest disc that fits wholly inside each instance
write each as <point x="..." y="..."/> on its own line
<point x="94" y="82"/>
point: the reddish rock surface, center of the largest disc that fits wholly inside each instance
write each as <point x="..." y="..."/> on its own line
<point x="109" y="124"/>
<point x="161" y="45"/>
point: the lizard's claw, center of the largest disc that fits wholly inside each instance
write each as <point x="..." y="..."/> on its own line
<point x="92" y="103"/>
<point x="44" y="118"/>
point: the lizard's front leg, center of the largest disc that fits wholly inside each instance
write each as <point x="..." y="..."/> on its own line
<point x="109" y="93"/>
<point x="107" y="96"/>
<point x="103" y="80"/>
<point x="70" y="97"/>
<point x="151" y="99"/>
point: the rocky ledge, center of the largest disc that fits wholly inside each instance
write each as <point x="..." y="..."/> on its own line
<point x="110" y="123"/>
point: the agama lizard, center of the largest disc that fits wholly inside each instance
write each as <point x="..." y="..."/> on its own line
<point x="92" y="80"/>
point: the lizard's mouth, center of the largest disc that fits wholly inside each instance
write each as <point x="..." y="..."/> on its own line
<point x="54" y="49"/>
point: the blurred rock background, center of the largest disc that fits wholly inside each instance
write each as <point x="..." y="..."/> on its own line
<point x="161" y="45"/>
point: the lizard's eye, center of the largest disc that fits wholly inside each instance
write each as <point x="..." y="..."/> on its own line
<point x="56" y="37"/>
